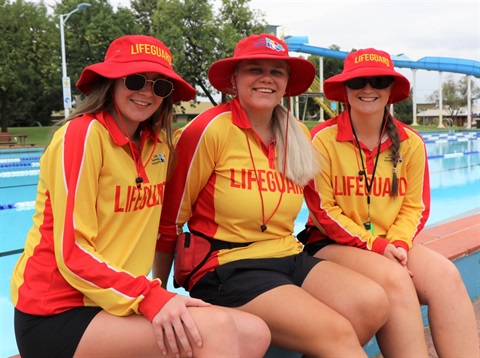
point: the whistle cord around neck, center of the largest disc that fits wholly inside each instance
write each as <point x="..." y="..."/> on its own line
<point x="363" y="171"/>
<point x="263" y="227"/>
<point x="138" y="161"/>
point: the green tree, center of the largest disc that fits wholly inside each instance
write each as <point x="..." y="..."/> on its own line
<point x="26" y="70"/>
<point x="236" y="21"/>
<point x="197" y="36"/>
<point x="30" y="60"/>
<point x="331" y="67"/>
<point x="143" y="11"/>
<point x="463" y="89"/>
<point x="454" y="96"/>
<point x="403" y="111"/>
<point x="88" y="34"/>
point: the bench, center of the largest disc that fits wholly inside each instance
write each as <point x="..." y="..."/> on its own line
<point x="11" y="139"/>
<point x="5" y="138"/>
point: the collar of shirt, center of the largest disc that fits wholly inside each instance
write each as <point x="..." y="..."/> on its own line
<point x="345" y="133"/>
<point x="107" y="120"/>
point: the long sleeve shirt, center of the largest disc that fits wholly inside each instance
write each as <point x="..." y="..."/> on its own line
<point x="93" y="236"/>
<point x="337" y="198"/>
<point x="226" y="185"/>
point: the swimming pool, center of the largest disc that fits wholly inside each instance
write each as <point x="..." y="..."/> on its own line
<point x="454" y="160"/>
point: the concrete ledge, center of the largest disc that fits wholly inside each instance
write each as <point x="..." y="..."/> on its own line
<point x="453" y="239"/>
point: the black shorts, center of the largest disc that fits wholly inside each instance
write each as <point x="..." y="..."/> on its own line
<point x="314" y="247"/>
<point x="52" y="336"/>
<point x="236" y="283"/>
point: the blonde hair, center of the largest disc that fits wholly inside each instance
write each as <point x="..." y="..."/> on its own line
<point x="302" y="163"/>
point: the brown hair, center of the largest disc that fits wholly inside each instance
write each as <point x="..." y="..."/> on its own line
<point x="99" y="99"/>
<point x="392" y="132"/>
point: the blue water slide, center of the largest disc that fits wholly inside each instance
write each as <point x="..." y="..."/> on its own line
<point x="440" y="64"/>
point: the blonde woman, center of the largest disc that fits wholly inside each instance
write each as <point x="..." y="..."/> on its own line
<point x="239" y="186"/>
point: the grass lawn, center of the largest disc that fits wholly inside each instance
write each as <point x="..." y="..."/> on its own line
<point x="40" y="136"/>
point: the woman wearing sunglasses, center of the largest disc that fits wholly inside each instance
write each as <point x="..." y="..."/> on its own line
<point x="371" y="200"/>
<point x="81" y="287"/>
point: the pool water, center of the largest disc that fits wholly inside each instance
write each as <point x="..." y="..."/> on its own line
<point x="454" y="178"/>
<point x="454" y="161"/>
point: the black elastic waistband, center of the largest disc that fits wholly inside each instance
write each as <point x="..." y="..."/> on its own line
<point x="219" y="244"/>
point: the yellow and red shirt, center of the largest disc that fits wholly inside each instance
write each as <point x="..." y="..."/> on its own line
<point x="337" y="198"/>
<point x="226" y="185"/>
<point x="93" y="236"/>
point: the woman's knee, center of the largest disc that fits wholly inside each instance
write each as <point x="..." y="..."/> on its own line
<point x="448" y="273"/>
<point x="218" y="330"/>
<point x="340" y="331"/>
<point x="255" y="331"/>
<point x="443" y="283"/>
<point x="370" y="312"/>
<point x="398" y="285"/>
<point x="225" y="333"/>
<point x="370" y="301"/>
<point x="378" y="306"/>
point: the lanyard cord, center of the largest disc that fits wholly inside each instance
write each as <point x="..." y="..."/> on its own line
<point x="138" y="161"/>
<point x="364" y="169"/>
<point x="263" y="227"/>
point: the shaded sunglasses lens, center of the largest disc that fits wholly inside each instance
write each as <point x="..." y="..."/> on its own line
<point x="135" y="82"/>
<point x="378" y="82"/>
<point x="356" y="83"/>
<point x="162" y="88"/>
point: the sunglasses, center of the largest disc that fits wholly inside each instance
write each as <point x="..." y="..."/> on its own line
<point x="378" y="82"/>
<point x="161" y="88"/>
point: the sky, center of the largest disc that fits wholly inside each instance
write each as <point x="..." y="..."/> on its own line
<point x="415" y="28"/>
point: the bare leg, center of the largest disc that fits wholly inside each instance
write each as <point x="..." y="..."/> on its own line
<point x="254" y="334"/>
<point x="301" y="322"/>
<point x="359" y="299"/>
<point x="133" y="336"/>
<point x="450" y="310"/>
<point x="404" y="323"/>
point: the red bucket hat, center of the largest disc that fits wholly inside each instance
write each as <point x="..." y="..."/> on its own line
<point x="366" y="63"/>
<point x="132" y="54"/>
<point x="262" y="47"/>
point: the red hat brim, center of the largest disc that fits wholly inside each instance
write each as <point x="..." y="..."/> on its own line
<point x="302" y="73"/>
<point x="334" y="87"/>
<point x="182" y="91"/>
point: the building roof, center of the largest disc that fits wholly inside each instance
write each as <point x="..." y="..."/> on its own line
<point x="191" y="108"/>
<point x="435" y="112"/>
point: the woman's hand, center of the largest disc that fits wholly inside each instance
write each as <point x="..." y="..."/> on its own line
<point x="397" y="254"/>
<point x="172" y="320"/>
